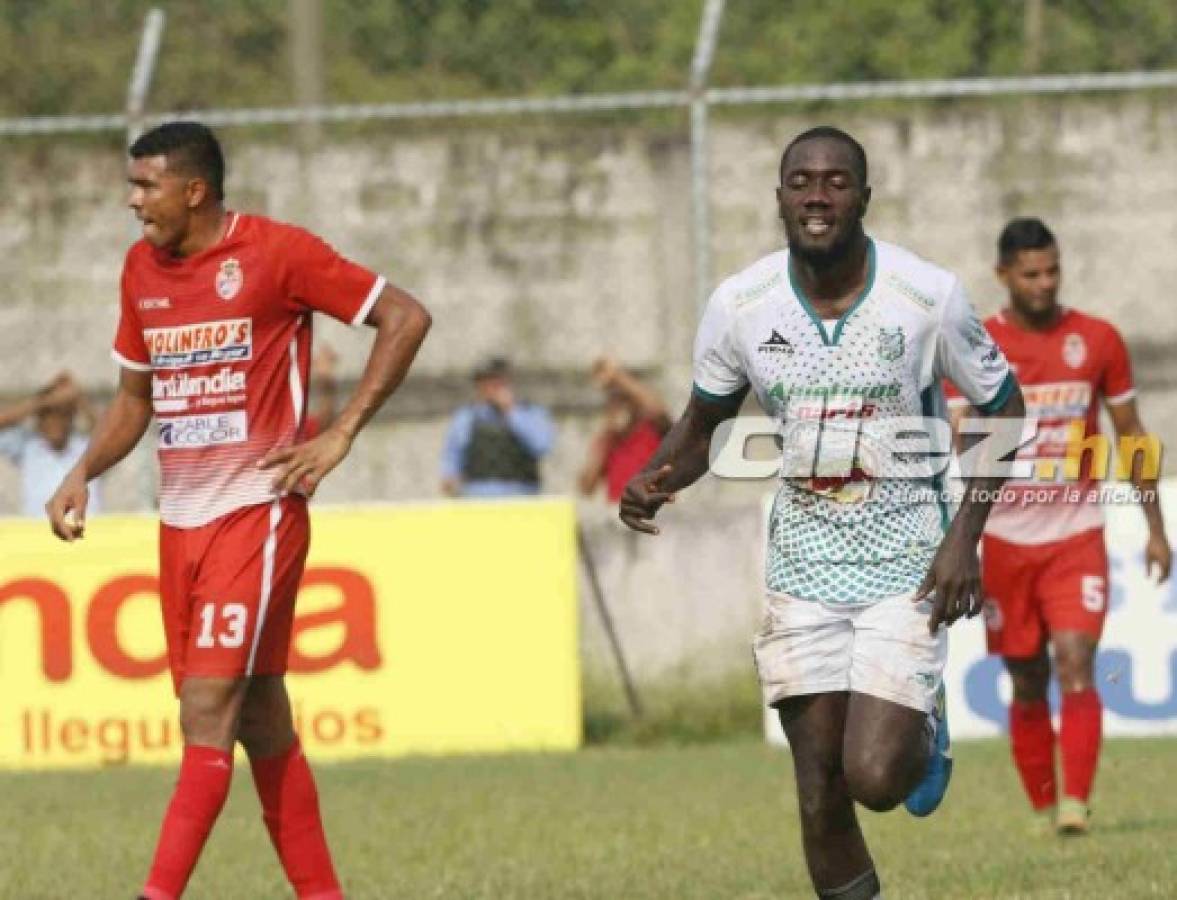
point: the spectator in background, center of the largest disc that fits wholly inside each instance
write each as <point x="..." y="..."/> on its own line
<point x="494" y="446"/>
<point x="321" y="411"/>
<point x="48" y="447"/>
<point x="634" y="422"/>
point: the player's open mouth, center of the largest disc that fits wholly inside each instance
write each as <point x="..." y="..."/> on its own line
<point x="816" y="227"/>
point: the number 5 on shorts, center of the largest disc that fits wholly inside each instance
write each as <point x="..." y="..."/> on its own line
<point x="233" y="616"/>
<point x="1094" y="593"/>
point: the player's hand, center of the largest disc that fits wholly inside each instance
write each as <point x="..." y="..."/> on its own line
<point x="67" y="508"/>
<point x="604" y="370"/>
<point x="63" y="390"/>
<point x="953" y="582"/>
<point x="1158" y="554"/>
<point x="643" y="496"/>
<point x="305" y="465"/>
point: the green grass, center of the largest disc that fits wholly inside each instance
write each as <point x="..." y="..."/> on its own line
<point x="680" y="707"/>
<point x="710" y="821"/>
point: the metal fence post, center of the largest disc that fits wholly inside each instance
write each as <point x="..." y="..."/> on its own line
<point x="700" y="176"/>
<point x="143" y="71"/>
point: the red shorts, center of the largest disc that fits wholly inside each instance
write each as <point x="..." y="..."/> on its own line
<point x="1034" y="590"/>
<point x="227" y="590"/>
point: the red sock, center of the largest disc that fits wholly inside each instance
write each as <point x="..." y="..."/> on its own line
<point x="203" y="785"/>
<point x="290" y="809"/>
<point x="1079" y="737"/>
<point x="1031" y="739"/>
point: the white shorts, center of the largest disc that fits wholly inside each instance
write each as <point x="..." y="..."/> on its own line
<point x="884" y="650"/>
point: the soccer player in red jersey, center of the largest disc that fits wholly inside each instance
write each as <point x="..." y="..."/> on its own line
<point x="214" y="339"/>
<point x="1044" y="565"/>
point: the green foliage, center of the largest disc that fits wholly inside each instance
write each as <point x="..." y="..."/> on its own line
<point x="60" y="56"/>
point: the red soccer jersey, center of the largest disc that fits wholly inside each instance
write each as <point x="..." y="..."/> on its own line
<point x="226" y="334"/>
<point x="1063" y="373"/>
<point x="627" y="455"/>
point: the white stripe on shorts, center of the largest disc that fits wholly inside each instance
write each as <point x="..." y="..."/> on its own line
<point x="267" y="582"/>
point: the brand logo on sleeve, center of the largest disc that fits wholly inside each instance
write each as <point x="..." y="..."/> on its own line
<point x="229" y="279"/>
<point x="205" y="343"/>
<point x="192" y="432"/>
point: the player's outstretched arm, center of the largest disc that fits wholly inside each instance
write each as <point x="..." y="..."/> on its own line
<point x="680" y="460"/>
<point x="115" y="435"/>
<point x="401" y="324"/>
<point x="953" y="582"/>
<point x="1158" y="555"/>
<point x="60" y="390"/>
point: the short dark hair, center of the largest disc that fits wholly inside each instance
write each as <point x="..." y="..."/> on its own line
<point x="189" y="147"/>
<point x="829" y="132"/>
<point x="1023" y="234"/>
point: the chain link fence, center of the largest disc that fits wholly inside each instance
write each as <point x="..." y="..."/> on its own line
<point x="557" y="180"/>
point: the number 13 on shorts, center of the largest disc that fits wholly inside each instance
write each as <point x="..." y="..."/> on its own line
<point x="223" y="626"/>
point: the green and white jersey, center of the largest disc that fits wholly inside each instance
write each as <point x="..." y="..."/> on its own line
<point x="845" y="527"/>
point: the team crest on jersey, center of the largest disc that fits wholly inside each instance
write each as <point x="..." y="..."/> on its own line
<point x="1074" y="350"/>
<point x="891" y="343"/>
<point x="229" y="279"/>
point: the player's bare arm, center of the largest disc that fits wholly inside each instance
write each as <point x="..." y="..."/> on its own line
<point x="115" y="435"/>
<point x="401" y="324"/>
<point x="680" y="460"/>
<point x="953" y="582"/>
<point x="1157" y="553"/>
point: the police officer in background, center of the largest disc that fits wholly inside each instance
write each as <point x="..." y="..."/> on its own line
<point x="494" y="446"/>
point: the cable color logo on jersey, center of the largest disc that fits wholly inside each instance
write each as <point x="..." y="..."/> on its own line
<point x="187" y="432"/>
<point x="229" y="340"/>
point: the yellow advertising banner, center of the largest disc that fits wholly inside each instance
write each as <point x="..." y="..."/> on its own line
<point x="443" y="628"/>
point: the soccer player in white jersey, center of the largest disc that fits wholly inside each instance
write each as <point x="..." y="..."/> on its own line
<point x="837" y="336"/>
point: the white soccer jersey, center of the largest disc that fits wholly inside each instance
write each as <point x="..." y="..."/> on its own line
<point x="845" y="527"/>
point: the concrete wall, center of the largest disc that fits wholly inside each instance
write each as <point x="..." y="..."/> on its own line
<point x="556" y="241"/>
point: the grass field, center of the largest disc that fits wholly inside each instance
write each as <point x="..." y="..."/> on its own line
<point x="711" y="821"/>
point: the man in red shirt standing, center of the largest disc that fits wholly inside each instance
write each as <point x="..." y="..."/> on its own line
<point x="635" y="422"/>
<point x="1044" y="565"/>
<point x="214" y="340"/>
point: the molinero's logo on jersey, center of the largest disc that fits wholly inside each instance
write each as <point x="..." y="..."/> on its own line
<point x="229" y="279"/>
<point x="190" y="432"/>
<point x="891" y="342"/>
<point x="229" y="340"/>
